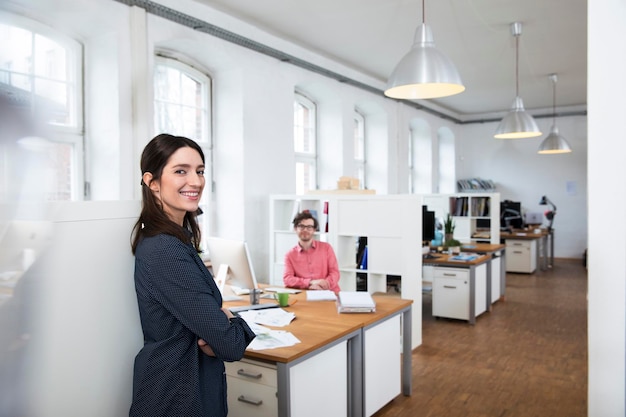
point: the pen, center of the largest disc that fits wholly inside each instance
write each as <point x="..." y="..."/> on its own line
<point x="294" y="301"/>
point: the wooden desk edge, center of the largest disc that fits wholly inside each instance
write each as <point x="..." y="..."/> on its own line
<point x="386" y="306"/>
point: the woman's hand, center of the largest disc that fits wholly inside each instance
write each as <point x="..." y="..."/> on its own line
<point x="202" y="344"/>
<point x="229" y="314"/>
<point x="204" y="347"/>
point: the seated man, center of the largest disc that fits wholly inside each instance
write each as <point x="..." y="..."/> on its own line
<point x="311" y="264"/>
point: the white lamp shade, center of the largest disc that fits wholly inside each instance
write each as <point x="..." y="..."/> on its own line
<point x="517" y="123"/>
<point x="554" y="143"/>
<point x="424" y="72"/>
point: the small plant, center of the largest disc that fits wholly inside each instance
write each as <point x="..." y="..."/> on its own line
<point x="452" y="243"/>
<point x="448" y="225"/>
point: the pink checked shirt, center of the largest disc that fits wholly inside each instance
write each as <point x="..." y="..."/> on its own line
<point x="318" y="262"/>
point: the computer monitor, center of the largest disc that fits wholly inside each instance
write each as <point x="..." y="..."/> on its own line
<point x="511" y="214"/>
<point x="428" y="224"/>
<point x="235" y="256"/>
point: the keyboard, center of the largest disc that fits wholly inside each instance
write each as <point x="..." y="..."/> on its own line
<point x="283" y="289"/>
<point x="261" y="306"/>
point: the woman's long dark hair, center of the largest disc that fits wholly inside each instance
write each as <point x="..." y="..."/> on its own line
<point x="153" y="220"/>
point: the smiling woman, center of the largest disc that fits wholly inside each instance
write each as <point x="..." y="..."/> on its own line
<point x="179" y="303"/>
<point x="180" y="187"/>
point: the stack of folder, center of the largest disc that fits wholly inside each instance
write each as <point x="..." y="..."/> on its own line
<point x="355" y="302"/>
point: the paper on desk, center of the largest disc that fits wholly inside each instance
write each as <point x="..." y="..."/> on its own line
<point x="320" y="295"/>
<point x="276" y="317"/>
<point x="464" y="257"/>
<point x="273" y="339"/>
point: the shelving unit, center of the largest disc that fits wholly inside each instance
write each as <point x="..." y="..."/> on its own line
<point x="283" y="209"/>
<point x="476" y="215"/>
<point x="392" y="225"/>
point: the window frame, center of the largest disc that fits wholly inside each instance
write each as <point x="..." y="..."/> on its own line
<point x="360" y="141"/>
<point x="194" y="71"/>
<point x="304" y="159"/>
<point x="72" y="133"/>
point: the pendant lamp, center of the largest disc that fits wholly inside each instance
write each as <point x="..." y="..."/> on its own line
<point x="517" y="123"/>
<point x="554" y="143"/>
<point x="424" y="72"/>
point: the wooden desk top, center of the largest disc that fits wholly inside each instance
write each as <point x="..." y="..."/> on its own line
<point x="444" y="259"/>
<point x="318" y="323"/>
<point x="482" y="247"/>
<point x="521" y="235"/>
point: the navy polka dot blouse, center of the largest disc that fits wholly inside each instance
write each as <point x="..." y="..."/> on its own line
<point x="180" y="303"/>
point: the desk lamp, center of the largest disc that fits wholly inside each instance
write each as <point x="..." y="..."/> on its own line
<point x="548" y="213"/>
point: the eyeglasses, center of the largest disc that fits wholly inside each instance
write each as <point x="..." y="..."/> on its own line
<point x="305" y="227"/>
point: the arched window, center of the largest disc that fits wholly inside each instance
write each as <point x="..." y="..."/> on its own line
<point x="182" y="97"/>
<point x="447" y="158"/>
<point x="305" y="143"/>
<point x="359" y="147"/>
<point x="41" y="71"/>
<point x="420" y="158"/>
<point x="181" y="100"/>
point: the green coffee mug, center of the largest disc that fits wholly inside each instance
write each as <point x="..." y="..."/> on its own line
<point x="282" y="298"/>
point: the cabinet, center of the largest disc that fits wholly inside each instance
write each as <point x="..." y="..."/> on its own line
<point x="381" y="351"/>
<point x="252" y="388"/>
<point x="460" y="293"/>
<point x="451" y="293"/>
<point x="521" y="255"/>
<point x="476" y="215"/>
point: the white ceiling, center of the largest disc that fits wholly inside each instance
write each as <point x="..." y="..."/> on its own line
<point x="373" y="35"/>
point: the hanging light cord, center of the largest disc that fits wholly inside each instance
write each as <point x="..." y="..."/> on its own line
<point x="517" y="65"/>
<point x="423" y="11"/>
<point x="554" y="99"/>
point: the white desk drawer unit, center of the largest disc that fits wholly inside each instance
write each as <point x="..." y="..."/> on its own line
<point x="451" y="293"/>
<point x="521" y="256"/>
<point x="252" y="389"/>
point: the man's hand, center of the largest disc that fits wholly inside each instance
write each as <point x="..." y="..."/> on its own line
<point x="319" y="284"/>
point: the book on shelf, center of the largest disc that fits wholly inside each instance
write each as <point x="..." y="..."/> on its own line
<point x="475" y="184"/>
<point x="326" y="213"/>
<point x="355" y="302"/>
<point x="363" y="262"/>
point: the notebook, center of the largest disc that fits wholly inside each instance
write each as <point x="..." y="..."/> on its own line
<point x="355" y="302"/>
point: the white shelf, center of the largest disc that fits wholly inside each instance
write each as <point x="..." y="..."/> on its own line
<point x="477" y="207"/>
<point x="392" y="226"/>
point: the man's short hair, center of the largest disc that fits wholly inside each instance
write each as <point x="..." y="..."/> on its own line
<point x="304" y="215"/>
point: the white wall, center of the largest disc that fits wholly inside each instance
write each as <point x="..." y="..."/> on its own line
<point x="523" y="175"/>
<point x="252" y="109"/>
<point x="607" y="223"/>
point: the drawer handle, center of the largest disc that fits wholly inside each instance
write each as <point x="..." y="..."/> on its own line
<point x="243" y="399"/>
<point x="449" y="286"/>
<point x="448" y="275"/>
<point x="249" y="375"/>
<point x="517" y="251"/>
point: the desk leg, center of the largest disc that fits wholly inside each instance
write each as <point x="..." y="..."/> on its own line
<point x="356" y="400"/>
<point x="538" y="259"/>
<point x="502" y="274"/>
<point x="284" y="394"/>
<point x="407" y="353"/>
<point x="544" y="253"/>
<point x="472" y="289"/>
<point x="551" y="237"/>
<point x="488" y="306"/>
